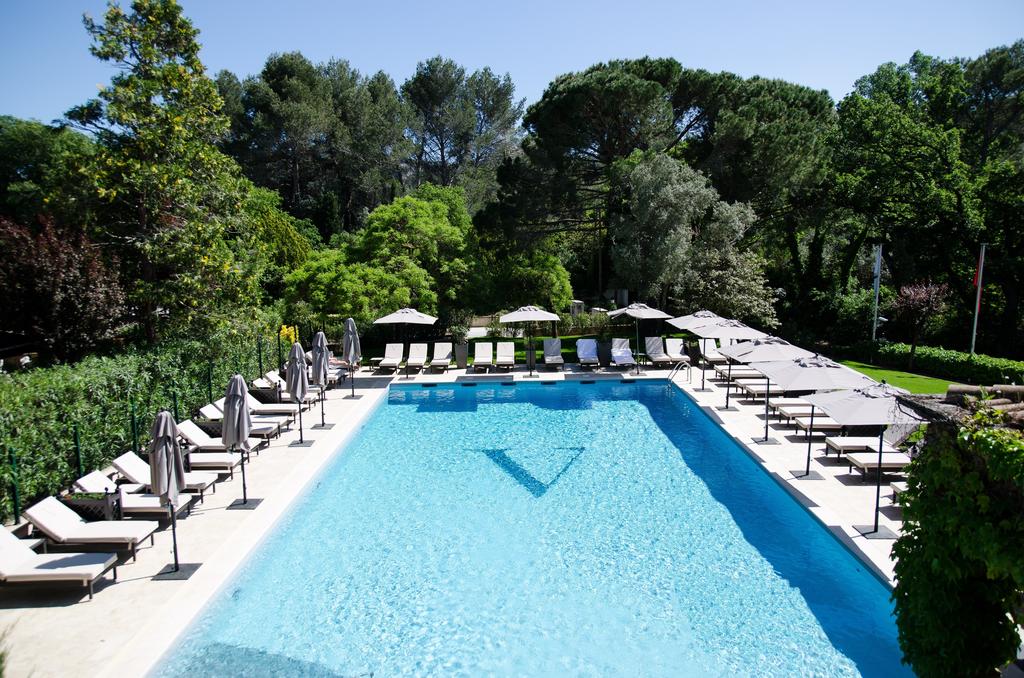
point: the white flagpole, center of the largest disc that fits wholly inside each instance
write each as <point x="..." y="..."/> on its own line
<point x="977" y="295"/>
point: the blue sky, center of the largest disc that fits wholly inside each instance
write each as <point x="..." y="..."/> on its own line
<point x="825" y="44"/>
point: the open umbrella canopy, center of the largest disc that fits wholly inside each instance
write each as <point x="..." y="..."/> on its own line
<point x="236" y="423"/>
<point x="688" y="322"/>
<point x="351" y="352"/>
<point x="166" y="465"/>
<point x="814" y="373"/>
<point x="873" y="405"/>
<point x="764" y="350"/>
<point x="296" y="378"/>
<point x="640" y="312"/>
<point x="321" y="357"/>
<point x="406" y="316"/>
<point x="526" y="314"/>
<point x="727" y="329"/>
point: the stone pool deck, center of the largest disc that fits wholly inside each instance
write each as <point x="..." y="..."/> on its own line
<point x="129" y="624"/>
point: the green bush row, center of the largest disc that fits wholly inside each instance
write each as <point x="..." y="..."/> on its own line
<point x="40" y="408"/>
<point x="953" y="365"/>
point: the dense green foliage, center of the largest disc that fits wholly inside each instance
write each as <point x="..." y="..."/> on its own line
<point x="958" y="366"/>
<point x="960" y="560"/>
<point x="40" y="407"/>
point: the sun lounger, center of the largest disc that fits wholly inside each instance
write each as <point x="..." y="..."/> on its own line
<point x="586" y="352"/>
<point x="221" y="462"/>
<point x="442" y="359"/>
<point x="20" y="564"/>
<point x="291" y="410"/>
<point x="63" y="526"/>
<point x="757" y="388"/>
<point x="136" y="471"/>
<point x="417" y="356"/>
<point x="392" y="357"/>
<point x="622" y="356"/>
<point x="822" y="423"/>
<point x="868" y="461"/>
<point x="279" y="382"/>
<point x="202" y="442"/>
<point x="483" y="352"/>
<point x="846" y="444"/>
<point x="675" y="349"/>
<point x="655" y="349"/>
<point x="897" y="490"/>
<point x="127" y="497"/>
<point x="709" y="352"/>
<point x="506" y="355"/>
<point x="263" y="425"/>
<point x="553" y="353"/>
<point x="737" y="372"/>
<point x="776" y="403"/>
<point x="802" y="410"/>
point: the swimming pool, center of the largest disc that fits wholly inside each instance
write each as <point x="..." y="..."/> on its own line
<point x="584" y="529"/>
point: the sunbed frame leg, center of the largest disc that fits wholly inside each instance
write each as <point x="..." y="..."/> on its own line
<point x="113" y="570"/>
<point x="89" y="584"/>
<point x="133" y="551"/>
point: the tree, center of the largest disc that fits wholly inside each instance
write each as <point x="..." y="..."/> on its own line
<point x="170" y="197"/>
<point x="58" y="293"/>
<point x="40" y="172"/>
<point x="916" y="305"/>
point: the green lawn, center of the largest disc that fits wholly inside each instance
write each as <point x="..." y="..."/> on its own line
<point x="915" y="383"/>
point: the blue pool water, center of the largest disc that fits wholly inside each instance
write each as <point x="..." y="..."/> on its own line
<point x="577" y="529"/>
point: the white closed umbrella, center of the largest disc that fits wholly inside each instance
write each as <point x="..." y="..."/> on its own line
<point x="298" y="384"/>
<point x="236" y="424"/>
<point x="725" y="328"/>
<point x="639" y="312"/>
<point x="529" y="314"/>
<point x="873" y="405"/>
<point x="167" y="470"/>
<point x="813" y="373"/>
<point x="351" y="351"/>
<point x="406" y="316"/>
<point x="760" y="350"/>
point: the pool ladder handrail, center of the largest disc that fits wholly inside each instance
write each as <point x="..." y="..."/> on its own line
<point x="677" y="367"/>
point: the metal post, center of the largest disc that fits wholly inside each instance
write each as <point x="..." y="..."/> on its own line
<point x="174" y="399"/>
<point x="13" y="458"/>
<point x="877" y="284"/>
<point x="259" y="353"/>
<point x="878" y="480"/>
<point x="637" y="344"/>
<point x="767" y="388"/>
<point x="323" y="397"/>
<point x="977" y="295"/>
<point x="728" y="384"/>
<point x="278" y="349"/>
<point x="810" y="429"/>
<point x="78" y="452"/>
<point x="135" y="428"/>
<point x="300" y="425"/>
<point x="209" y="380"/>
<point x="245" y="490"/>
<point x="703" y="356"/>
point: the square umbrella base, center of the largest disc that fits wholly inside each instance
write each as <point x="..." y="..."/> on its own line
<point x="304" y="443"/>
<point x="185" y="570"/>
<point x="765" y="441"/>
<point x="353" y="397"/>
<point x="801" y="474"/>
<point x="703" y="390"/>
<point x="869" y="532"/>
<point x="249" y="505"/>
<point x="723" y="408"/>
<point x="323" y="427"/>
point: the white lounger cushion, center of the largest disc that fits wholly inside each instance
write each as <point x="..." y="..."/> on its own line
<point x="442" y="355"/>
<point x="20" y="563"/>
<point x="63" y="525"/>
<point x="674" y="349"/>
<point x="586" y="350"/>
<point x="553" y="352"/>
<point x="506" y="354"/>
<point x="483" y="352"/>
<point x="869" y="460"/>
<point x="289" y="409"/>
<point x="214" y="460"/>
<point x="392" y="355"/>
<point x="417" y="355"/>
<point x="857" y="444"/>
<point x="655" y="349"/>
<point x="621" y="354"/>
<point x="137" y="471"/>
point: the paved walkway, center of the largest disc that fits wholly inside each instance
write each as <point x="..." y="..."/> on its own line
<point x="128" y="625"/>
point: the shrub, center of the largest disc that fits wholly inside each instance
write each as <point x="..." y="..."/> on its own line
<point x="953" y="365"/>
<point x="40" y="408"/>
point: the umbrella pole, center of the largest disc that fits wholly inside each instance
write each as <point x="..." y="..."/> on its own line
<point x="352" y="375"/>
<point x="637" y="345"/>
<point x="702" y="370"/>
<point x="728" y="384"/>
<point x="810" y="428"/>
<point x="323" y="396"/>
<point x="300" y="424"/>
<point x="767" y="388"/>
<point x="245" y="489"/>
<point x="878" y="478"/>
<point x="170" y="507"/>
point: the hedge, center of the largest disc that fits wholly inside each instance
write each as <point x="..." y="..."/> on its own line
<point x="953" y="365"/>
<point x="40" y="408"/>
